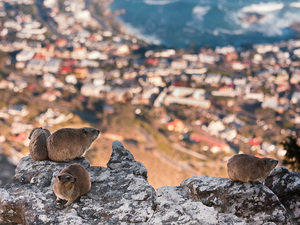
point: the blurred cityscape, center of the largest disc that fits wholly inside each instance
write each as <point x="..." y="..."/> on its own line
<point x="68" y="63"/>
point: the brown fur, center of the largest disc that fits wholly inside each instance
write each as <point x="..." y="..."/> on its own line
<point x="38" y="143"/>
<point x="69" y="143"/>
<point x="72" y="182"/>
<point x="248" y="168"/>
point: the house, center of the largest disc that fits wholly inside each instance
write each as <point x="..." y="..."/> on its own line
<point x="89" y="63"/>
<point x="175" y="125"/>
<point x="119" y="95"/>
<point x="129" y="74"/>
<point x="191" y="57"/>
<point x="71" y="79"/>
<point x="264" y="48"/>
<point x="215" y="127"/>
<point x="187" y="96"/>
<point x="156" y="80"/>
<point x="259" y="96"/>
<point x="207" y="58"/>
<point x="152" y="61"/>
<point x="52" y="65"/>
<point x="18" y="127"/>
<point x="122" y="50"/>
<point x="61" y="42"/>
<point x="240" y="81"/>
<point x="198" y="78"/>
<point x="79" y="52"/>
<point x="147" y="95"/>
<point x="212" y="79"/>
<point x="35" y="65"/>
<point x="225" y="91"/>
<point x="226" y="80"/>
<point x="81" y="72"/>
<point x="237" y="65"/>
<point x="179" y="64"/>
<point x="295" y="99"/>
<point x="228" y="134"/>
<point x="225" y="50"/>
<point x="295" y="77"/>
<point x="91" y="90"/>
<point x="25" y="55"/>
<point x="270" y="102"/>
<point x="284" y="86"/>
<point x="231" y="56"/>
<point x="51" y="117"/>
<point x="65" y="70"/>
<point x="5" y="84"/>
<point x="51" y="96"/>
<point x="93" y="55"/>
<point x="62" y="53"/>
<point x="49" y="80"/>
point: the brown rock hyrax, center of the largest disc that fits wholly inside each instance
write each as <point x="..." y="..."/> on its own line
<point x="248" y="168"/>
<point x="69" y="143"/>
<point x="72" y="182"/>
<point x="38" y="143"/>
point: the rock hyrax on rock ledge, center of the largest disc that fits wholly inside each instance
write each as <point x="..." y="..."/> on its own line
<point x="72" y="182"/>
<point x="38" y="143"/>
<point x="70" y="143"/>
<point x="248" y="168"/>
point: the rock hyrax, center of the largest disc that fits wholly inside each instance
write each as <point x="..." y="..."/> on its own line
<point x="72" y="182"/>
<point x="38" y="143"/>
<point x="69" y="143"/>
<point x="248" y="168"/>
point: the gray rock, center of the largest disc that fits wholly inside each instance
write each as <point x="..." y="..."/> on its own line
<point x="174" y="206"/>
<point x="7" y="170"/>
<point x="252" y="202"/>
<point x="286" y="185"/>
<point x="116" y="196"/>
<point x="121" y="194"/>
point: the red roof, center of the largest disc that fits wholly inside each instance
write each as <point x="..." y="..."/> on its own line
<point x="65" y="70"/>
<point x="254" y="142"/>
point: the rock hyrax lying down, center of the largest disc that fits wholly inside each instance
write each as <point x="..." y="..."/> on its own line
<point x="72" y="182"/>
<point x="248" y="168"/>
<point x="69" y="143"/>
<point x="38" y="143"/>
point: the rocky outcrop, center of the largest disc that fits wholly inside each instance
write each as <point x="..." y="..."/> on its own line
<point x="121" y="194"/>
<point x="7" y="170"/>
<point x="286" y="185"/>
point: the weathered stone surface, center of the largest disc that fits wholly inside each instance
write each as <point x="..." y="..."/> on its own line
<point x="116" y="196"/>
<point x="174" y="206"/>
<point x="121" y="194"/>
<point x="286" y="185"/>
<point x="253" y="202"/>
<point x="7" y="170"/>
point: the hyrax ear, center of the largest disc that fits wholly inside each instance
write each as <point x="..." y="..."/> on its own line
<point x="74" y="180"/>
<point x="59" y="178"/>
<point x="84" y="131"/>
<point x="29" y="137"/>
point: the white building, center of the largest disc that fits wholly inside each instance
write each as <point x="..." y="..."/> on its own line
<point x="25" y="55"/>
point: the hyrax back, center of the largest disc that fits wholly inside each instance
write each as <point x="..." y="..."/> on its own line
<point x="38" y="143"/>
<point x="70" y="143"/>
<point x="72" y="182"/>
<point x="248" y="168"/>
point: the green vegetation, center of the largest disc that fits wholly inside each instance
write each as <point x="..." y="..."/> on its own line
<point x="292" y="146"/>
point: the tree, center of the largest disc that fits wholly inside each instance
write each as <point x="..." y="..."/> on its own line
<point x="292" y="146"/>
